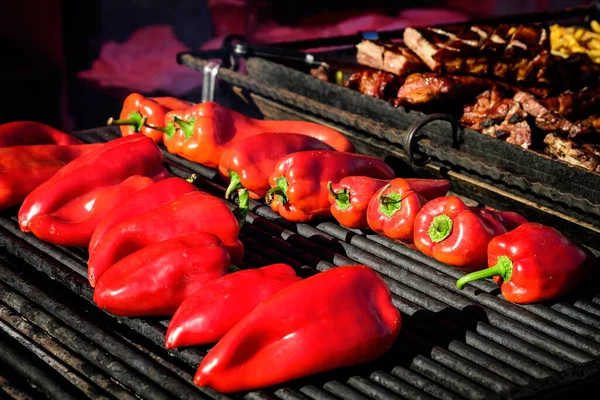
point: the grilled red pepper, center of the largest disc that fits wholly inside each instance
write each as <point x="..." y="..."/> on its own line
<point x="140" y="114"/>
<point x="108" y="165"/>
<point x="392" y="211"/>
<point x="156" y="279"/>
<point x="73" y="224"/>
<point x="455" y="234"/>
<point x="25" y="133"/>
<point x="191" y="212"/>
<point x="217" y="306"/>
<point x="299" y="181"/>
<point x="202" y="132"/>
<point x="534" y="263"/>
<point x="350" y="197"/>
<point x="23" y="168"/>
<point x="146" y="199"/>
<point x="337" y="318"/>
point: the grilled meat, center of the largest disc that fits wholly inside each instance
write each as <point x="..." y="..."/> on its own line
<point x="585" y="155"/>
<point x="379" y="84"/>
<point x="390" y="57"/>
<point x="574" y="105"/>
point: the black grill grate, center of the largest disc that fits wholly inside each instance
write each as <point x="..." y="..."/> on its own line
<point x="454" y="345"/>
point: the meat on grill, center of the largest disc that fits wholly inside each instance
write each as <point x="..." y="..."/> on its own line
<point x="378" y="84"/>
<point x="586" y="155"/>
<point x="574" y="104"/>
<point x="390" y="57"/>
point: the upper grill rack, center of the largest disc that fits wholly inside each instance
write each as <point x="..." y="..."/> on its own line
<point x="453" y="345"/>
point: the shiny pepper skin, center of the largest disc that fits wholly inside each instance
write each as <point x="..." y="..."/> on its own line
<point x="31" y="133"/>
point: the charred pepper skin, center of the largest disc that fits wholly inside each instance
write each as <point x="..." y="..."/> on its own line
<point x="24" y="168"/>
<point x="269" y="345"/>
<point x="206" y="316"/>
<point x="191" y="212"/>
<point x="299" y="181"/>
<point x="452" y="233"/>
<point x="140" y="114"/>
<point x="535" y="263"/>
<point x="156" y="279"/>
<point x="73" y="224"/>
<point x="110" y="164"/>
<point x="28" y="133"/>
<point x="153" y="196"/>
<point x="204" y="131"/>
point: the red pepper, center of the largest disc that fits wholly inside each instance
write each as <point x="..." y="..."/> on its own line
<point x="73" y="224"/>
<point x="191" y="212"/>
<point x="107" y="165"/>
<point x="23" y="168"/>
<point x="449" y="231"/>
<point x="146" y="199"/>
<point x="334" y="319"/>
<point x="393" y="209"/>
<point x="139" y="111"/>
<point x="534" y="263"/>
<point x="204" y="131"/>
<point x="350" y="197"/>
<point x="156" y="279"/>
<point x="247" y="164"/>
<point x="25" y="133"/>
<point x="217" y="306"/>
<point x="299" y="181"/>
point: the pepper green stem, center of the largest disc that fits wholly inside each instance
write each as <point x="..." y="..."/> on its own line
<point x="135" y="120"/>
<point x="280" y="190"/>
<point x="440" y="228"/>
<point x="233" y="268"/>
<point x="342" y="197"/>
<point x="503" y="268"/>
<point x="187" y="127"/>
<point x="168" y="130"/>
<point x="243" y="206"/>
<point x="391" y="203"/>
<point x="234" y="184"/>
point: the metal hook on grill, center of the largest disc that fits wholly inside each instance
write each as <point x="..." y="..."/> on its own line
<point x="208" y="84"/>
<point x="416" y="157"/>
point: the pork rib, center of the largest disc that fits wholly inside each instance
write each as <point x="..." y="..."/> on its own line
<point x="374" y="83"/>
<point x="390" y="57"/>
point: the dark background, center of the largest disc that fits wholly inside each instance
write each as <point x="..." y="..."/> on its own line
<point x="45" y="43"/>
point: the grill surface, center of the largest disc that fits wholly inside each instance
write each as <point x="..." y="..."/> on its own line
<point x="468" y="344"/>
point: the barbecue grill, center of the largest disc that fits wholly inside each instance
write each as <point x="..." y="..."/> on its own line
<point x="470" y="344"/>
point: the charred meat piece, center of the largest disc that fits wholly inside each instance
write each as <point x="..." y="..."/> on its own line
<point x="379" y="84"/>
<point x="518" y="133"/>
<point x="424" y="88"/>
<point x="574" y="105"/>
<point x="390" y="57"/>
<point x="583" y="155"/>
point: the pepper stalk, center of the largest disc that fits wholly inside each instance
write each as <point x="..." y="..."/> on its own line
<point x="503" y="269"/>
<point x="342" y="197"/>
<point x="135" y="120"/>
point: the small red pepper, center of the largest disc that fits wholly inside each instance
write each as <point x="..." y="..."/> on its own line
<point x="299" y="181"/>
<point x="534" y="263"/>
<point x="153" y="196"/>
<point x="23" y="168"/>
<point x="191" y="212"/>
<point x="25" y="133"/>
<point x="337" y="318"/>
<point x="156" y="279"/>
<point x="204" y="131"/>
<point x="107" y="165"/>
<point x="139" y="111"/>
<point x="452" y="233"/>
<point x="392" y="211"/>
<point x="247" y="164"/>
<point x="350" y="197"/>
<point x="216" y="307"/>
<point x="73" y="224"/>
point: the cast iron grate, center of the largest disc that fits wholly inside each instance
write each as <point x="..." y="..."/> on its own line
<point x="472" y="344"/>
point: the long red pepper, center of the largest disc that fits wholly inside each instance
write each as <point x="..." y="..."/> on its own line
<point x="455" y="234"/>
<point x="534" y="263"/>
<point x="153" y="196"/>
<point x="337" y="318"/>
<point x="202" y="132"/>
<point x="299" y="181"/>
<point x="73" y="224"/>
<point x="156" y="279"/>
<point x="110" y="164"/>
<point x="216" y="307"/>
<point x="24" y="168"/>
<point x="191" y="212"/>
<point x="25" y="133"/>
<point x="140" y="114"/>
